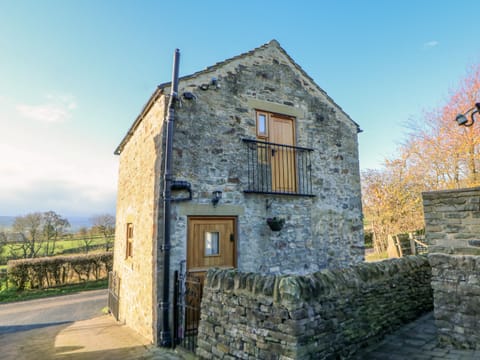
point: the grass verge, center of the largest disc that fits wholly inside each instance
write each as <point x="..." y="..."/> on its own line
<point x="376" y="256"/>
<point x="11" y="294"/>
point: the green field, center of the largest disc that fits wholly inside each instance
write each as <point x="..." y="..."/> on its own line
<point x="72" y="245"/>
<point x="11" y="294"/>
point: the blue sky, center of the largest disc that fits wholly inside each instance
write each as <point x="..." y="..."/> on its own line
<point x="74" y="74"/>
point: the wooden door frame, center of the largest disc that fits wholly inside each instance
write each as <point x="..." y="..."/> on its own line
<point x="210" y="217"/>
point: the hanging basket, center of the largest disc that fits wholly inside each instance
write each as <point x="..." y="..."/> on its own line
<point x="275" y="224"/>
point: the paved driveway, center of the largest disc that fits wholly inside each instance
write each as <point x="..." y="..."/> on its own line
<point x="26" y="315"/>
<point x="71" y="327"/>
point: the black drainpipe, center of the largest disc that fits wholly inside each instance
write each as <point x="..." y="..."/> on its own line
<point x="165" y="335"/>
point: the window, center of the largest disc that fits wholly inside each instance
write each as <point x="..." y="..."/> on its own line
<point x="129" y="247"/>
<point x="262" y="134"/>
<point x="262" y="124"/>
<point x="212" y="242"/>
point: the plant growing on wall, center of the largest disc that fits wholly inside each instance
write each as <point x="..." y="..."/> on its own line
<point x="275" y="224"/>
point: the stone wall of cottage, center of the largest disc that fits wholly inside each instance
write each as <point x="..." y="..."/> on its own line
<point x="137" y="203"/>
<point x="324" y="231"/>
<point x="327" y="314"/>
<point x="452" y="227"/>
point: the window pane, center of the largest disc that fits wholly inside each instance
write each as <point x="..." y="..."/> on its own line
<point x="212" y="243"/>
<point x="262" y="124"/>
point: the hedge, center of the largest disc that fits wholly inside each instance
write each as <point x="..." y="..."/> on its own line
<point x="45" y="272"/>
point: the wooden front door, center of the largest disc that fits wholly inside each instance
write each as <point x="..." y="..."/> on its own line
<point x="283" y="161"/>
<point x="211" y="243"/>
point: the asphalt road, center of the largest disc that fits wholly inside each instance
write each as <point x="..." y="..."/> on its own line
<point x="32" y="314"/>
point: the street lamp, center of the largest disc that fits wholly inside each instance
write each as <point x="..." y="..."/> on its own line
<point x="462" y="119"/>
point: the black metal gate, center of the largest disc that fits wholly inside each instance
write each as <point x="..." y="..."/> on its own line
<point x="113" y="293"/>
<point x="187" y="299"/>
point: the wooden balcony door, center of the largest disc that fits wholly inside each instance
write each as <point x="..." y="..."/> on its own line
<point x="281" y="131"/>
<point x="210" y="243"/>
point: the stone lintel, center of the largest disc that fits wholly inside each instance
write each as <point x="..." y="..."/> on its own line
<point x="275" y="108"/>
<point x="189" y="209"/>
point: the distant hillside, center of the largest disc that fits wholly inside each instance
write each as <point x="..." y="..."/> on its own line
<point x="76" y="222"/>
<point x="6" y="221"/>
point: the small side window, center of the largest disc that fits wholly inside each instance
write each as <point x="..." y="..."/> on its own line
<point x="262" y="124"/>
<point x="129" y="247"/>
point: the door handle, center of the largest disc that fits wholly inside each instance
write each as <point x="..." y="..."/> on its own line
<point x="232" y="237"/>
<point x="273" y="152"/>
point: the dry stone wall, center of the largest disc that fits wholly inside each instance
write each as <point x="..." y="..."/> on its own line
<point x="452" y="223"/>
<point x="456" y="286"/>
<point x="324" y="315"/>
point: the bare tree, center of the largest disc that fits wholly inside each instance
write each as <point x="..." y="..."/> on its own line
<point x="54" y="227"/>
<point x="446" y="154"/>
<point x="29" y="230"/>
<point x="392" y="201"/>
<point x="86" y="237"/>
<point x="104" y="225"/>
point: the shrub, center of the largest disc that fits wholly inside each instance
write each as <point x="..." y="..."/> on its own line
<point x="53" y="271"/>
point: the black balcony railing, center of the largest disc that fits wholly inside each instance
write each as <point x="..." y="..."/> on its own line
<point x="278" y="169"/>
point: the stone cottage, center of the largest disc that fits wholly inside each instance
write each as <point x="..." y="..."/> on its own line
<point x="264" y="178"/>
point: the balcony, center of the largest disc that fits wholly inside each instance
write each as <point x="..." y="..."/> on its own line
<point x="278" y="169"/>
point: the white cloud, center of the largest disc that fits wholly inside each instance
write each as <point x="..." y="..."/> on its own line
<point x="430" y="44"/>
<point x="53" y="167"/>
<point x="45" y="113"/>
<point x="56" y="109"/>
<point x="72" y="181"/>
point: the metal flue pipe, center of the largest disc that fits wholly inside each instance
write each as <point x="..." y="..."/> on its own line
<point x="165" y="333"/>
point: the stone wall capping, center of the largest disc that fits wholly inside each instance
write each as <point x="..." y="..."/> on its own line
<point x="293" y="288"/>
<point x="450" y="193"/>
<point x="227" y="281"/>
<point x="458" y="250"/>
